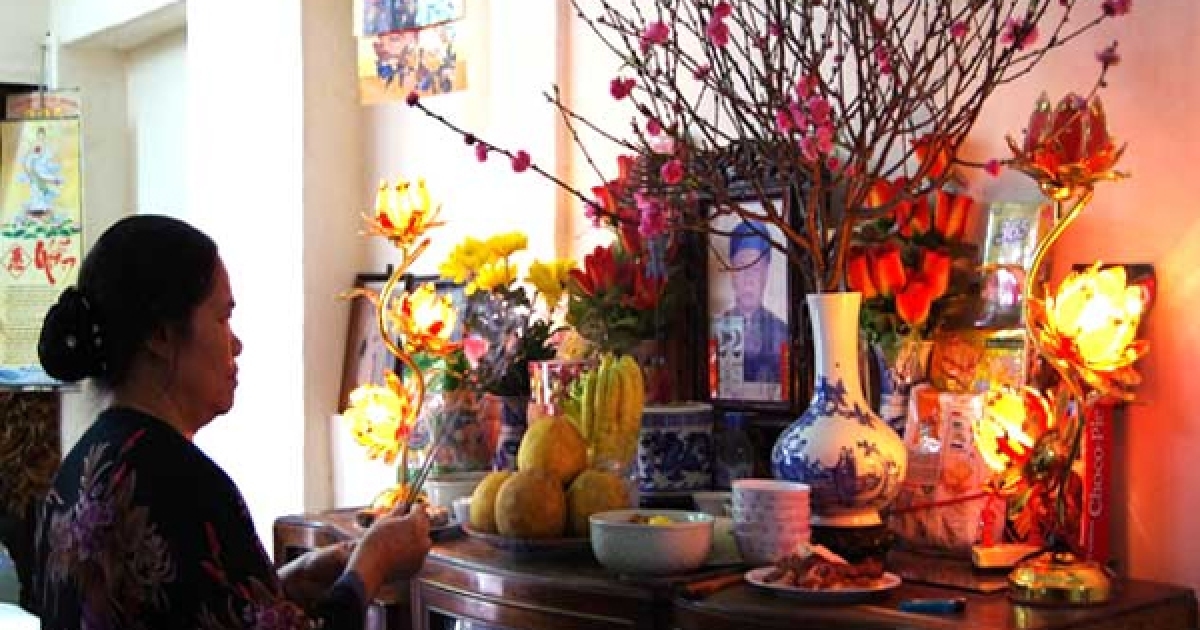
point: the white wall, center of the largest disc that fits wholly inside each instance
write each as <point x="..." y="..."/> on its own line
<point x="24" y="29"/>
<point x="75" y="20"/>
<point x="245" y="183"/>
<point x="156" y="89"/>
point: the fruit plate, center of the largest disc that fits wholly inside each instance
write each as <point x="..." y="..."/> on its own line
<point x="889" y="581"/>
<point x="531" y="546"/>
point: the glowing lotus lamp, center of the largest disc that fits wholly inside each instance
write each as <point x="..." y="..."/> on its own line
<point x="382" y="417"/>
<point x="1086" y="331"/>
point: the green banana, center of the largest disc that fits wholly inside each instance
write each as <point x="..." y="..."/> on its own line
<point x="605" y="408"/>
<point x="587" y="403"/>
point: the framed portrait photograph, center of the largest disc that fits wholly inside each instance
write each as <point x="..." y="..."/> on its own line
<point x="367" y="356"/>
<point x="749" y="311"/>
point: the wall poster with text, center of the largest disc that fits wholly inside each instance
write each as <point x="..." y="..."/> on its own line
<point x="40" y="234"/>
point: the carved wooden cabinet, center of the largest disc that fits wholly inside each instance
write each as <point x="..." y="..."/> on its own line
<point x="466" y="581"/>
<point x="466" y="584"/>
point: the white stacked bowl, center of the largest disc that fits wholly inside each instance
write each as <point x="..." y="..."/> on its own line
<point x="770" y="518"/>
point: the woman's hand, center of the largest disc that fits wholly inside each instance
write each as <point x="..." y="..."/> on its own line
<point x="307" y="578"/>
<point x="393" y="548"/>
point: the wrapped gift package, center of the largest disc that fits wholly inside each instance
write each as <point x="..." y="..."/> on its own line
<point x="942" y="506"/>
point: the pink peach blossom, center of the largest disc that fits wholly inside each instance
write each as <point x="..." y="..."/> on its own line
<point x="521" y="161"/>
<point x="672" y="172"/>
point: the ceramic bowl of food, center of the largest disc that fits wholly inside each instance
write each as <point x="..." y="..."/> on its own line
<point x="442" y="491"/>
<point x="650" y="541"/>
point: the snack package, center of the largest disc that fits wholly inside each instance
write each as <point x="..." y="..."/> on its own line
<point x="972" y="361"/>
<point x="942" y="505"/>
<point x="1013" y="232"/>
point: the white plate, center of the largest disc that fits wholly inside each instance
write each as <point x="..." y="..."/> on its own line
<point x="888" y="582"/>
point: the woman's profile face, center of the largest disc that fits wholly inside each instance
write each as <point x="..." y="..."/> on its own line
<point x="206" y="362"/>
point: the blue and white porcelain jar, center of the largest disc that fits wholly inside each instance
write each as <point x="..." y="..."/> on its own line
<point x="852" y="460"/>
<point x="675" y="453"/>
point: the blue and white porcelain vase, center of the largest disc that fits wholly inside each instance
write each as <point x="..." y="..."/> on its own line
<point x="510" y="415"/>
<point x="674" y="456"/>
<point x="852" y="460"/>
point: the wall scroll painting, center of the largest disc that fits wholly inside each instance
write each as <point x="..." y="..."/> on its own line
<point x="40" y="233"/>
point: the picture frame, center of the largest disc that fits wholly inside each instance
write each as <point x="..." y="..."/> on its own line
<point x="367" y="356"/>
<point x="752" y="322"/>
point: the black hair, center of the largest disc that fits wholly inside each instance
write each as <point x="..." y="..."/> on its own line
<point x="145" y="272"/>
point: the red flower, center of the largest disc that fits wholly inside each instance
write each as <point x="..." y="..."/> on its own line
<point x="933" y="152"/>
<point x="646" y="290"/>
<point x="914" y="302"/>
<point x="935" y="270"/>
<point x="481" y="151"/>
<point x="919" y="219"/>
<point x="888" y="266"/>
<point x="672" y="172"/>
<point x="950" y="212"/>
<point x="599" y="272"/>
<point x="858" y="274"/>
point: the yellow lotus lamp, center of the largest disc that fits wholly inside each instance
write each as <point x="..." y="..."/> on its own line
<point x="382" y="417"/>
<point x="426" y="320"/>
<point x="403" y="214"/>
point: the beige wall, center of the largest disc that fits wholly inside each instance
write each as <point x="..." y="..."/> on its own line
<point x="21" y="37"/>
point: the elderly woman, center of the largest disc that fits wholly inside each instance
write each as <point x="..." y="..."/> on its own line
<point x="141" y="529"/>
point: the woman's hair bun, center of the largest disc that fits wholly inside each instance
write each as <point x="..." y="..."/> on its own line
<point x="71" y="346"/>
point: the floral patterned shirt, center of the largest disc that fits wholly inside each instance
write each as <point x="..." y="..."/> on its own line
<point x="143" y="530"/>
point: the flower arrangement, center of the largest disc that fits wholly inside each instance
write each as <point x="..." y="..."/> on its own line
<point x="833" y="97"/>
<point x="502" y="332"/>
<point x="614" y="300"/>
<point x="911" y="264"/>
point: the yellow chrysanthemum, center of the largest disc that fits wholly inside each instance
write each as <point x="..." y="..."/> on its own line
<point x="505" y="245"/>
<point x="465" y="260"/>
<point x="550" y="279"/>
<point x="492" y="276"/>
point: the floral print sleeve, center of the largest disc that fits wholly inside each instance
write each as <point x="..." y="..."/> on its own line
<point x="142" y="530"/>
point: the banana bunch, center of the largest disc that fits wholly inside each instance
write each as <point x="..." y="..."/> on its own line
<point x="610" y="408"/>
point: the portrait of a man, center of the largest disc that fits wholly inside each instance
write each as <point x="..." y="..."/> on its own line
<point x="748" y="312"/>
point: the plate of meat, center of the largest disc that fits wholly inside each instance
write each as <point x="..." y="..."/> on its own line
<point x="816" y="578"/>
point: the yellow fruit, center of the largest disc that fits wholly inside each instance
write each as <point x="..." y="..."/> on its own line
<point x="483" y="501"/>
<point x="593" y="491"/>
<point x="531" y="504"/>
<point x="554" y="446"/>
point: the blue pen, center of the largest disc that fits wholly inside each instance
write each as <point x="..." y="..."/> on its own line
<point x="934" y="606"/>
